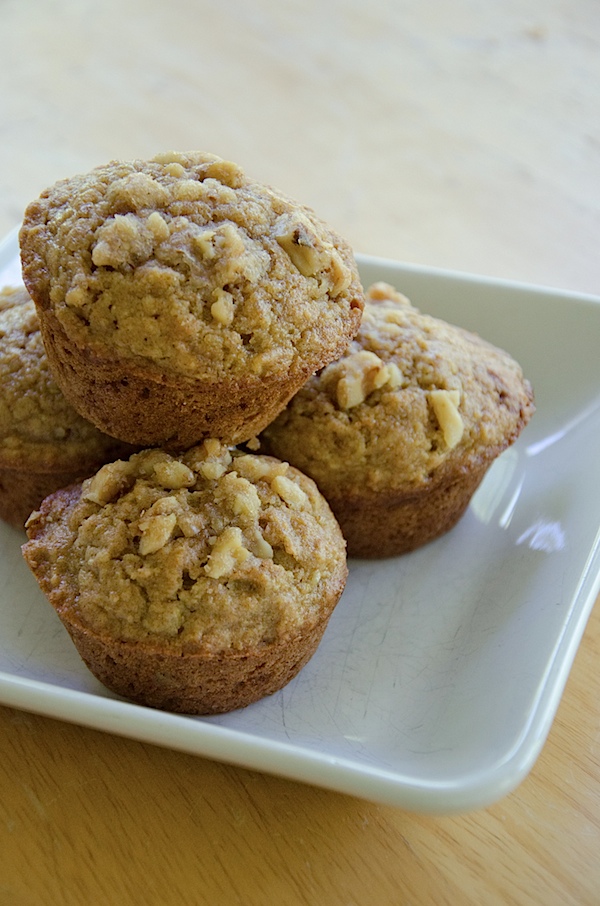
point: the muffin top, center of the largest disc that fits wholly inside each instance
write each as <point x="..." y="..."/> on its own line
<point x="183" y="263"/>
<point x="412" y="396"/>
<point x="211" y="551"/>
<point x="38" y="427"/>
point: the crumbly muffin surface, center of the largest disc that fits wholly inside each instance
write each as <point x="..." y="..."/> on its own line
<point x="215" y="549"/>
<point x="185" y="263"/>
<point x="412" y="395"/>
<point x="35" y="418"/>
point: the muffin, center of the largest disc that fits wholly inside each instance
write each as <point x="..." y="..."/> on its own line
<point x="197" y="583"/>
<point x="399" y="432"/>
<point x="180" y="300"/>
<point x="44" y="443"/>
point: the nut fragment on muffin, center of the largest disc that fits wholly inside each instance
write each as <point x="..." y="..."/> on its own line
<point x="44" y="443"/>
<point x="196" y="583"/>
<point x="400" y="431"/>
<point x="180" y="300"/>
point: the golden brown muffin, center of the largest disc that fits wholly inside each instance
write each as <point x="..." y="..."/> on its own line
<point x="196" y="584"/>
<point x="44" y="443"/>
<point x="180" y="300"/>
<point x="399" y="432"/>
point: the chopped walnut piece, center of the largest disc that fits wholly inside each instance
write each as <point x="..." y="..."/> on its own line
<point x="156" y="531"/>
<point x="212" y="470"/>
<point x="382" y="292"/>
<point x="124" y="240"/>
<point x="218" y="458"/>
<point x="213" y="446"/>
<point x="226" y="172"/>
<point x="253" y="444"/>
<point x="262" y="548"/>
<point x="222" y="307"/>
<point x="228" y="550"/>
<point x="203" y="242"/>
<point x="289" y="491"/>
<point x="173" y="474"/>
<point x="395" y="377"/>
<point x="158" y="226"/>
<point x="309" y="253"/>
<point x="189" y="190"/>
<point x="108" y="483"/>
<point x="358" y="375"/>
<point x="175" y="169"/>
<point x="253" y="468"/>
<point x="136" y="191"/>
<point x="241" y="494"/>
<point x="445" y="406"/>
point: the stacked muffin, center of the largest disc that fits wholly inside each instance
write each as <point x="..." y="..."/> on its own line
<point x="180" y="300"/>
<point x="188" y="310"/>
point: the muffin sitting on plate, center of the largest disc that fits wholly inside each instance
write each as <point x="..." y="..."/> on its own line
<point x="400" y="431"/>
<point x="44" y="443"/>
<point x="196" y="583"/>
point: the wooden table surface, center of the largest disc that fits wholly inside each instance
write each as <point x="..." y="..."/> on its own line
<point x="461" y="135"/>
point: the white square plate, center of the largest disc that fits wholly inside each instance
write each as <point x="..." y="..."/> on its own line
<point x="440" y="672"/>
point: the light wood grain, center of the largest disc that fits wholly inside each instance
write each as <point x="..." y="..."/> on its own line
<point x="460" y="135"/>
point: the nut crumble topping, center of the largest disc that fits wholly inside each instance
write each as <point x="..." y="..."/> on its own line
<point x="185" y="262"/>
<point x="163" y="547"/>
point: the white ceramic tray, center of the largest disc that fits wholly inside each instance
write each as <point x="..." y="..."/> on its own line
<point x="440" y="672"/>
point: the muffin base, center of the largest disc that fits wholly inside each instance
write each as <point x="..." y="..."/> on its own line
<point x="193" y="682"/>
<point x="148" y="408"/>
<point x="389" y="524"/>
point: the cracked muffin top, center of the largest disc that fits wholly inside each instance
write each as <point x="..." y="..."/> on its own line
<point x="185" y="264"/>
<point x="215" y="549"/>
<point x="37" y="425"/>
<point x="412" y="395"/>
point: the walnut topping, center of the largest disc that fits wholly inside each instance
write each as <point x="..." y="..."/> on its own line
<point x="108" y="483"/>
<point x="226" y="172"/>
<point x="359" y="374"/>
<point x="289" y="491"/>
<point x="122" y="240"/>
<point x="222" y="307"/>
<point x="157" y="529"/>
<point x="217" y="459"/>
<point x="252" y="468"/>
<point x="213" y="470"/>
<point x="309" y="254"/>
<point x="243" y="495"/>
<point x="445" y="406"/>
<point x="213" y="447"/>
<point x="203" y="242"/>
<point x="174" y="169"/>
<point x="158" y="226"/>
<point x="188" y="190"/>
<point x="262" y="548"/>
<point x="236" y="257"/>
<point x="136" y="191"/>
<point x="228" y="551"/>
<point x="394" y="376"/>
<point x="174" y="474"/>
<point x="384" y="292"/>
